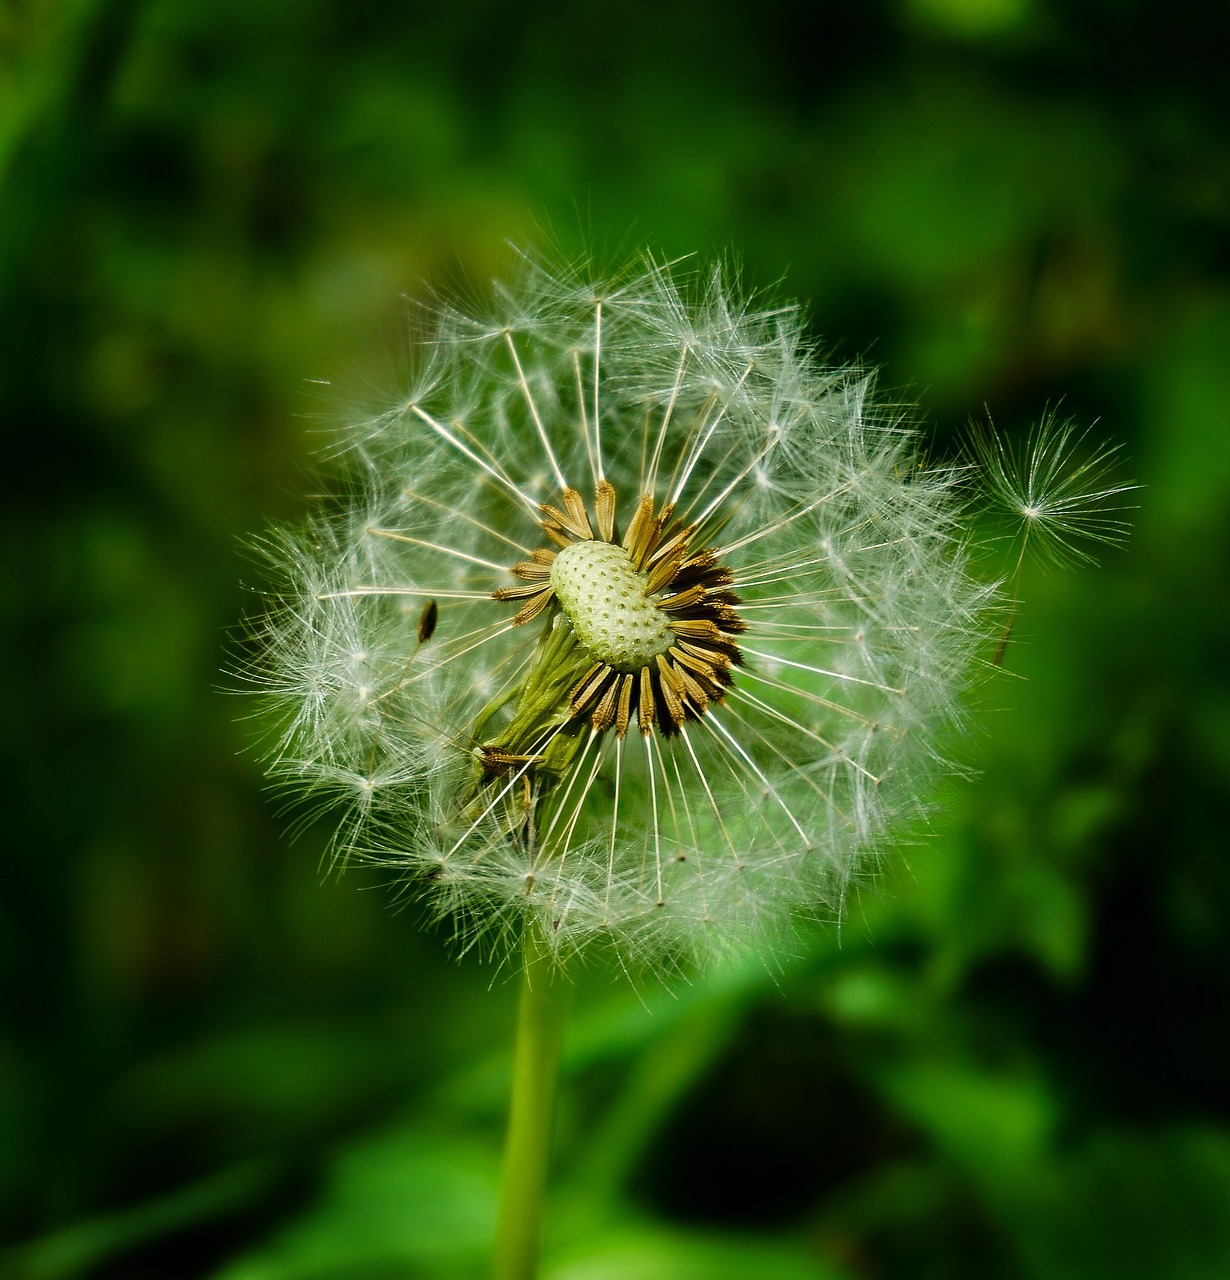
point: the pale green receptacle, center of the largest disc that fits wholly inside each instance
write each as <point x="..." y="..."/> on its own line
<point x="604" y="598"/>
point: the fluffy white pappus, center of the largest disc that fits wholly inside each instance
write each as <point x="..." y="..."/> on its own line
<point x="823" y="622"/>
<point x="1055" y="488"/>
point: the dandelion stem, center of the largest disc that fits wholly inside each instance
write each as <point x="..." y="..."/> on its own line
<point x="536" y="1062"/>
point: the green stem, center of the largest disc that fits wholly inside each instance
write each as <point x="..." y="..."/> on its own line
<point x="535" y="1067"/>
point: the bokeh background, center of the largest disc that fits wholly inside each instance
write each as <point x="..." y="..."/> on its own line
<point x="1012" y="1059"/>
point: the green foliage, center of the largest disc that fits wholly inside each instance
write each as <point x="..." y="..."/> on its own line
<point x="1010" y="1058"/>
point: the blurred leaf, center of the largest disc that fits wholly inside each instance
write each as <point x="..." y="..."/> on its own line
<point x="651" y="1253"/>
<point x="1129" y="1206"/>
<point x="972" y="19"/>
<point x="1186" y="386"/>
<point x="83" y="1247"/>
<point x="995" y="1126"/>
<point x="398" y="1203"/>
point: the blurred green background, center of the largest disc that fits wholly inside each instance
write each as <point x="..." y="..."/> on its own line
<point x="1012" y="1060"/>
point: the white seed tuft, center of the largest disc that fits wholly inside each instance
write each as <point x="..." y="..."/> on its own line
<point x="763" y="576"/>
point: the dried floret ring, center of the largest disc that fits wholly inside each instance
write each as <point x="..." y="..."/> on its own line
<point x="655" y="616"/>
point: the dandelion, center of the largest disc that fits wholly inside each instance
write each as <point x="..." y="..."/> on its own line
<point x="642" y="629"/>
<point x="699" y="623"/>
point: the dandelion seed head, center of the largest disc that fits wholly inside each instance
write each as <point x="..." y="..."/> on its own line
<point x="643" y="622"/>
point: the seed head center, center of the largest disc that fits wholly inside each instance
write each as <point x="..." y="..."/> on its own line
<point x="607" y="602"/>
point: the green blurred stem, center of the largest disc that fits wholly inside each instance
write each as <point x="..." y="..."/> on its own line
<point x="535" y="1068"/>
